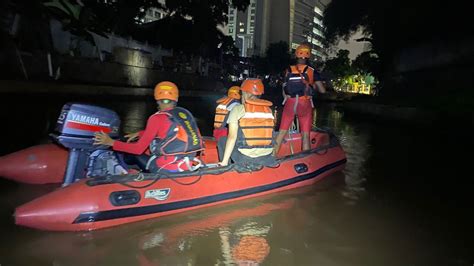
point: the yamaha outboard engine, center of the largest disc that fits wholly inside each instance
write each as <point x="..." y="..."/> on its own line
<point x="75" y="130"/>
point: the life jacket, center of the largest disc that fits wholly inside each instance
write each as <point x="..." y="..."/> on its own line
<point x="183" y="137"/>
<point x="297" y="82"/>
<point x="256" y="126"/>
<point x="223" y="108"/>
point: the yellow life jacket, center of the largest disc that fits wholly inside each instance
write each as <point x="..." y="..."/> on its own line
<point x="223" y="109"/>
<point x="256" y="126"/>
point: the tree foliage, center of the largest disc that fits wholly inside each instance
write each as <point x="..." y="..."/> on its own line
<point x="366" y="62"/>
<point x="191" y="26"/>
<point x="394" y="24"/>
<point x="340" y="65"/>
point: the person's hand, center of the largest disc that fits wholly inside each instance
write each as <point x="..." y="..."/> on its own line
<point x="223" y="163"/>
<point x="102" y="138"/>
<point x="132" y="136"/>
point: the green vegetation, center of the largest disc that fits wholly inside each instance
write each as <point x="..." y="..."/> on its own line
<point x="189" y="26"/>
<point x="355" y="76"/>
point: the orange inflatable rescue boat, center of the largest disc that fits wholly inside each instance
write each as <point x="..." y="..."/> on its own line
<point x="90" y="203"/>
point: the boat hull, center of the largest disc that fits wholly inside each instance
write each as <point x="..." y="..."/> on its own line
<point x="41" y="164"/>
<point x="88" y="204"/>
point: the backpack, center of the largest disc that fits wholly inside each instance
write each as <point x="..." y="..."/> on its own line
<point x="297" y="83"/>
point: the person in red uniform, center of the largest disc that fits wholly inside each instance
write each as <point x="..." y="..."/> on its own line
<point x="301" y="80"/>
<point x="224" y="106"/>
<point x="171" y="135"/>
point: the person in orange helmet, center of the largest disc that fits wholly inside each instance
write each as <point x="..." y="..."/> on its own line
<point x="250" y="129"/>
<point x="301" y="81"/>
<point x="171" y="135"/>
<point x="224" y="106"/>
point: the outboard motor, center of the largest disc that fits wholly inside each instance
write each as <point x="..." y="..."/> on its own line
<point x="75" y="130"/>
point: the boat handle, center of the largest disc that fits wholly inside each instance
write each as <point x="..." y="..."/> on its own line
<point x="124" y="197"/>
<point x="301" y="168"/>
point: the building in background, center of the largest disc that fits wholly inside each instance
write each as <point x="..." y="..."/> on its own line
<point x="153" y="14"/>
<point x="306" y="26"/>
<point x="241" y="26"/>
<point x="267" y="21"/>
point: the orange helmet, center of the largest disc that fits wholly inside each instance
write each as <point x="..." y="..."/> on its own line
<point x="253" y="86"/>
<point x="303" y="51"/>
<point x="234" y="92"/>
<point x="166" y="90"/>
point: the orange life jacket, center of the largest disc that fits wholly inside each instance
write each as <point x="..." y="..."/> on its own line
<point x="223" y="108"/>
<point x="256" y="126"/>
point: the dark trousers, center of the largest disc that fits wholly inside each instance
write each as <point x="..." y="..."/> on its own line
<point x="141" y="161"/>
<point x="239" y="158"/>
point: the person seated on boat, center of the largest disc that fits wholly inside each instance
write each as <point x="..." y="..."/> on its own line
<point x="250" y="129"/>
<point x="224" y="106"/>
<point x="171" y="134"/>
<point x="301" y="80"/>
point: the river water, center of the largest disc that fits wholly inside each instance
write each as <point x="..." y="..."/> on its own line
<point x="403" y="199"/>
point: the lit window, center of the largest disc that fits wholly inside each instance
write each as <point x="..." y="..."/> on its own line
<point x="318" y="43"/>
<point x="317" y="32"/>
<point x="241" y="23"/>
<point x="241" y="30"/>
<point x="317" y="21"/>
<point x="318" y="11"/>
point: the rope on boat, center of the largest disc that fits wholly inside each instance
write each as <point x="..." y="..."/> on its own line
<point x="187" y="184"/>
<point x="141" y="177"/>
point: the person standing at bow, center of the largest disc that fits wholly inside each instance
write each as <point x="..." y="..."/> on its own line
<point x="301" y="81"/>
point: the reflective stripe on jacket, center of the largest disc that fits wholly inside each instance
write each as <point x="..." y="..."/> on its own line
<point x="223" y="108"/>
<point x="256" y="126"/>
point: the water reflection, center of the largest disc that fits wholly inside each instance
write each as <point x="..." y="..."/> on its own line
<point x="135" y="114"/>
<point x="232" y="234"/>
<point x="355" y="144"/>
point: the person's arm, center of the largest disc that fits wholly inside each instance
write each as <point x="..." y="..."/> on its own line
<point x="153" y="126"/>
<point x="230" y="144"/>
<point x="133" y="136"/>
<point x="233" y="121"/>
<point x="320" y="86"/>
<point x="283" y="89"/>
